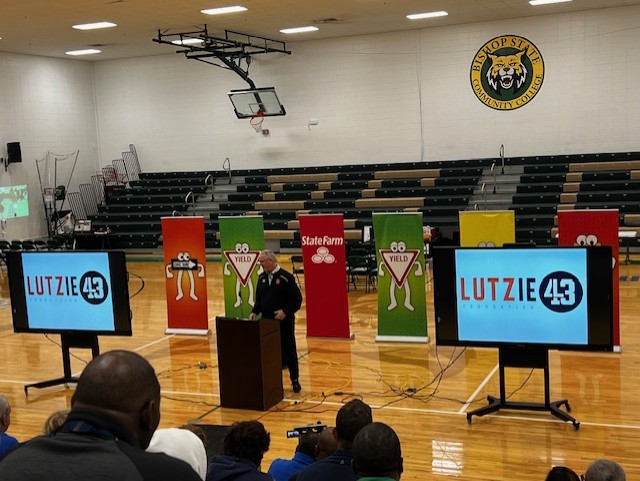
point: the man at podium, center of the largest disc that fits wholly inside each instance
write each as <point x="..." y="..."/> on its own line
<point x="278" y="297"/>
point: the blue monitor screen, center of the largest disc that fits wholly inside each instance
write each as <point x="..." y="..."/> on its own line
<point x="69" y="291"/>
<point x="559" y="297"/>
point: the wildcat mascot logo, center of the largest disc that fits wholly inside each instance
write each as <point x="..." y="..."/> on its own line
<point x="507" y="72"/>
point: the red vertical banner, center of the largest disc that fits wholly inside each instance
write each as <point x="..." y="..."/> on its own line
<point x="185" y="275"/>
<point x="595" y="227"/>
<point x="325" y="278"/>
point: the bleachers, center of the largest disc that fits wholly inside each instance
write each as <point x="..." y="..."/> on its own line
<point x="439" y="190"/>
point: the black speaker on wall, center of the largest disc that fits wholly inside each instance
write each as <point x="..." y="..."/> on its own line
<point x="14" y="154"/>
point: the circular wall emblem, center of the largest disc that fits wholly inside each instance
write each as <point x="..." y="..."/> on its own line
<point x="507" y="72"/>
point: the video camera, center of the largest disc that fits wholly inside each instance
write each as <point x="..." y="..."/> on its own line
<point x="302" y="430"/>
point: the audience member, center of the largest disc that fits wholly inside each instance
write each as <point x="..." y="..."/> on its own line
<point x="351" y="418"/>
<point x="54" y="421"/>
<point x="6" y="441"/>
<point x="327" y="444"/>
<point x="605" y="470"/>
<point x="182" y="444"/>
<point x="376" y="453"/>
<point x="244" y="445"/>
<point x="114" y="413"/>
<point x="561" y="473"/>
<point x="283" y="469"/>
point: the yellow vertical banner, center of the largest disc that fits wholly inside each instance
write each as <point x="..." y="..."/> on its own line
<point x="492" y="228"/>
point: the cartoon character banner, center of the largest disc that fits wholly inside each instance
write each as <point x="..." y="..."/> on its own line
<point x="325" y="282"/>
<point x="595" y="227"/>
<point x="492" y="228"/>
<point x="241" y="240"/>
<point x="185" y="275"/>
<point x="402" y="305"/>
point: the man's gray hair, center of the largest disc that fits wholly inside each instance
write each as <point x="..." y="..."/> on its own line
<point x="605" y="470"/>
<point x="269" y="254"/>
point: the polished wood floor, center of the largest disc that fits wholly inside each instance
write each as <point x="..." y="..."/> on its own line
<point x="436" y="440"/>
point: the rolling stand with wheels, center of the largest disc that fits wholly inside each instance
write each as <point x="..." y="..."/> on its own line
<point x="71" y="339"/>
<point x="535" y="358"/>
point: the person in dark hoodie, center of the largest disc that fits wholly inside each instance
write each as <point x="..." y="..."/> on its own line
<point x="244" y="445"/>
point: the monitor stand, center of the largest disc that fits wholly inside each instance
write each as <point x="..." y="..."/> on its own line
<point x="80" y="340"/>
<point x="534" y="358"/>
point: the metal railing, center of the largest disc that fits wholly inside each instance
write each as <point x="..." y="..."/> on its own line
<point x="226" y="165"/>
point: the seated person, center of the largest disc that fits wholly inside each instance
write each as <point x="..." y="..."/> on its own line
<point x="182" y="444"/>
<point x="351" y="418"/>
<point x="6" y="441"/>
<point x="54" y="421"/>
<point x="114" y="412"/>
<point x="283" y="469"/>
<point x="376" y="453"/>
<point x="560" y="473"/>
<point x="244" y="446"/>
<point x="605" y="470"/>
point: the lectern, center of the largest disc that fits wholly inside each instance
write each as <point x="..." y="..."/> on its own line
<point x="249" y="363"/>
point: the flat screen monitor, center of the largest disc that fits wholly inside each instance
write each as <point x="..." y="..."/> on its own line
<point x="556" y="297"/>
<point x="14" y="201"/>
<point x="69" y="291"/>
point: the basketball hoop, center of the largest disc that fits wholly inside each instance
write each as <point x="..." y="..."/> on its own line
<point x="256" y="121"/>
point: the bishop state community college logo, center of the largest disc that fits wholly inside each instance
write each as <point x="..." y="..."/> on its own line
<point x="507" y="72"/>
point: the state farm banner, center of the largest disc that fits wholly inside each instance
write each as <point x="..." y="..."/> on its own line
<point x="402" y="304"/>
<point x="325" y="280"/>
<point x="492" y="228"/>
<point x="595" y="227"/>
<point x="185" y="275"/>
<point x="241" y="240"/>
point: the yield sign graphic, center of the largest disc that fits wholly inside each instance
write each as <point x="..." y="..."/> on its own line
<point x="399" y="263"/>
<point x="242" y="263"/>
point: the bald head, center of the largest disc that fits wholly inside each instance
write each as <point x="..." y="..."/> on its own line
<point x="116" y="381"/>
<point x="124" y="385"/>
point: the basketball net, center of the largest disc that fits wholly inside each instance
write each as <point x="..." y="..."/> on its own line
<point x="256" y="121"/>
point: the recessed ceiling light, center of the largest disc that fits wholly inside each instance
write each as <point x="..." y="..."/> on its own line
<point x="187" y="41"/>
<point x="545" y="2"/>
<point x="87" y="51"/>
<point x="299" y="29"/>
<point x="418" y="16"/>
<point x="221" y="10"/>
<point x="93" y="26"/>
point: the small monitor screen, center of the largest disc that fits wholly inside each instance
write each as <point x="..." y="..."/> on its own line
<point x="69" y="291"/>
<point x="14" y="202"/>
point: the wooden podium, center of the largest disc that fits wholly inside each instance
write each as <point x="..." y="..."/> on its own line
<point x="249" y="363"/>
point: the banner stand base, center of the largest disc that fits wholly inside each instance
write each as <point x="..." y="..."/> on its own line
<point x="351" y="337"/>
<point x="402" y="338"/>
<point x="188" y="332"/>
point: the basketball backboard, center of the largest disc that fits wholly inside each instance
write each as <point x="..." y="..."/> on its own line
<point x="249" y="102"/>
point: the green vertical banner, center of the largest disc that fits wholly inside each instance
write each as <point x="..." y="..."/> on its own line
<point x="402" y="300"/>
<point x="241" y="240"/>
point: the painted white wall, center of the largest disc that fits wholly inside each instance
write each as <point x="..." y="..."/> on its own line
<point x="393" y="97"/>
<point x="47" y="105"/>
